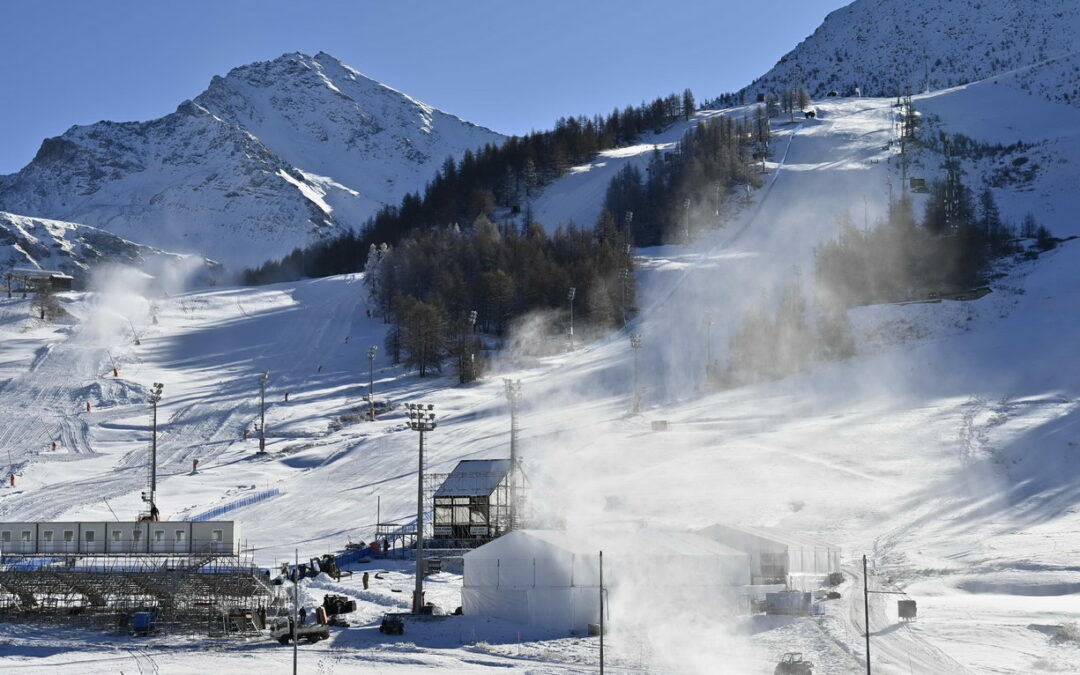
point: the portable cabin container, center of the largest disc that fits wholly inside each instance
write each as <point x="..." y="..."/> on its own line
<point x="215" y="537"/>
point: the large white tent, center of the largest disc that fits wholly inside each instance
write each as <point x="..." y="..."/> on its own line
<point x="550" y="579"/>
<point x="777" y="557"/>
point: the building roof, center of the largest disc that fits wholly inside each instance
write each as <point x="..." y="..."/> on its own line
<point x="614" y="541"/>
<point x="775" y="536"/>
<point x="39" y="274"/>
<point x="474" y="478"/>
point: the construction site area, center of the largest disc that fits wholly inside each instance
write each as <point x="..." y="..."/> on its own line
<point x="143" y="576"/>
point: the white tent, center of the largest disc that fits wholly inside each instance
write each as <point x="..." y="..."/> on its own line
<point x="777" y="557"/>
<point x="550" y="579"/>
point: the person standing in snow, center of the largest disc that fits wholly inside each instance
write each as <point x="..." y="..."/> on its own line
<point x="303" y="615"/>
<point x="365" y="580"/>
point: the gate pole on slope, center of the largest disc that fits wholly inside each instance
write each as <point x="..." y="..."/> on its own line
<point x="866" y="612"/>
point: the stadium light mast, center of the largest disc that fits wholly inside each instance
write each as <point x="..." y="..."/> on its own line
<point x="372" y="350"/>
<point x="155" y="397"/>
<point x="513" y="395"/>
<point x="422" y="419"/>
<point x="263" y="377"/>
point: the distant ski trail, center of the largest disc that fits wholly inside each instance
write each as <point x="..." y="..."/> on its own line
<point x="896" y="644"/>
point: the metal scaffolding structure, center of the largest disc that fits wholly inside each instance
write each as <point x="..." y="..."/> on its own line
<point x="470" y="508"/>
<point x="183" y="590"/>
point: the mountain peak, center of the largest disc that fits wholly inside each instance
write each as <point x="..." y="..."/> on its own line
<point x="270" y="156"/>
<point x="886" y="47"/>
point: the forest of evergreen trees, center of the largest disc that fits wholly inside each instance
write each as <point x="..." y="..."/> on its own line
<point x="899" y="259"/>
<point x="442" y="287"/>
<point x="497" y="176"/>
<point x="778" y="338"/>
<point x="695" y="179"/>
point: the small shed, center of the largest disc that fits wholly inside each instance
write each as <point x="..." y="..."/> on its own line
<point x="549" y="579"/>
<point x="779" y="558"/>
<point x="472" y="505"/>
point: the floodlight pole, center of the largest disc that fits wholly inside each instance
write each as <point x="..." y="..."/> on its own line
<point x="421" y="418"/>
<point x="263" y="377"/>
<point x="296" y="607"/>
<point x="635" y="344"/>
<point x="155" y="396"/>
<point x="513" y="395"/>
<point x="570" y="297"/>
<point x="371" y="378"/>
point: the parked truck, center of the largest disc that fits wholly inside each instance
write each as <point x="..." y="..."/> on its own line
<point x="281" y="630"/>
<point x="792" y="663"/>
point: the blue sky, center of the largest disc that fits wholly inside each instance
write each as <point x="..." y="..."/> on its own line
<point x="509" y="65"/>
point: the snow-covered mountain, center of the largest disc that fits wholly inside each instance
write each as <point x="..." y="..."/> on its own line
<point x="882" y="46"/>
<point x="337" y="126"/>
<point x="76" y="249"/>
<point x="269" y="157"/>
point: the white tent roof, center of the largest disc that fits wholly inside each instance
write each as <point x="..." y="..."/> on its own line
<point x="768" y="534"/>
<point x="530" y="543"/>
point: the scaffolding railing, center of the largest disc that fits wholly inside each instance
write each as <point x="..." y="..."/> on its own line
<point x="183" y="590"/>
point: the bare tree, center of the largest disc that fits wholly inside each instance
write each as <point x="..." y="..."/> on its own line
<point x="44" y="301"/>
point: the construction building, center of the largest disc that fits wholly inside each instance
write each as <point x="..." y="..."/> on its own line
<point x="32" y="279"/>
<point x="188" y="574"/>
<point x="472" y="504"/>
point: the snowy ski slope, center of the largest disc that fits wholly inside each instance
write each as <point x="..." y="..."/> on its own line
<point x="945" y="451"/>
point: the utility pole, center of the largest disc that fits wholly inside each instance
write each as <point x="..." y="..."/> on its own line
<point x="601" y="613"/>
<point x="513" y="395"/>
<point x="635" y="344"/>
<point x="422" y="419"/>
<point x="570" y="296"/>
<point x="155" y="396"/>
<point x="296" y="606"/>
<point x="263" y="377"/>
<point x="866" y="612"/>
<point x="371" y="378"/>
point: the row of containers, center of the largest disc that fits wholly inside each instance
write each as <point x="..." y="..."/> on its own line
<point x="221" y="537"/>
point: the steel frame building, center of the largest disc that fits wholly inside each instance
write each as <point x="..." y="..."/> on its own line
<point x="103" y="570"/>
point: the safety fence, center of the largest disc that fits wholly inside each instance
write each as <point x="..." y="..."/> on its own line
<point x="255" y="498"/>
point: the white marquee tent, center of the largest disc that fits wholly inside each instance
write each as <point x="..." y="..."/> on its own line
<point x="550" y="579"/>
<point x="776" y="557"/>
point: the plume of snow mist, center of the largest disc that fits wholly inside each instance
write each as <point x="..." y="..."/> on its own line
<point x="120" y="303"/>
